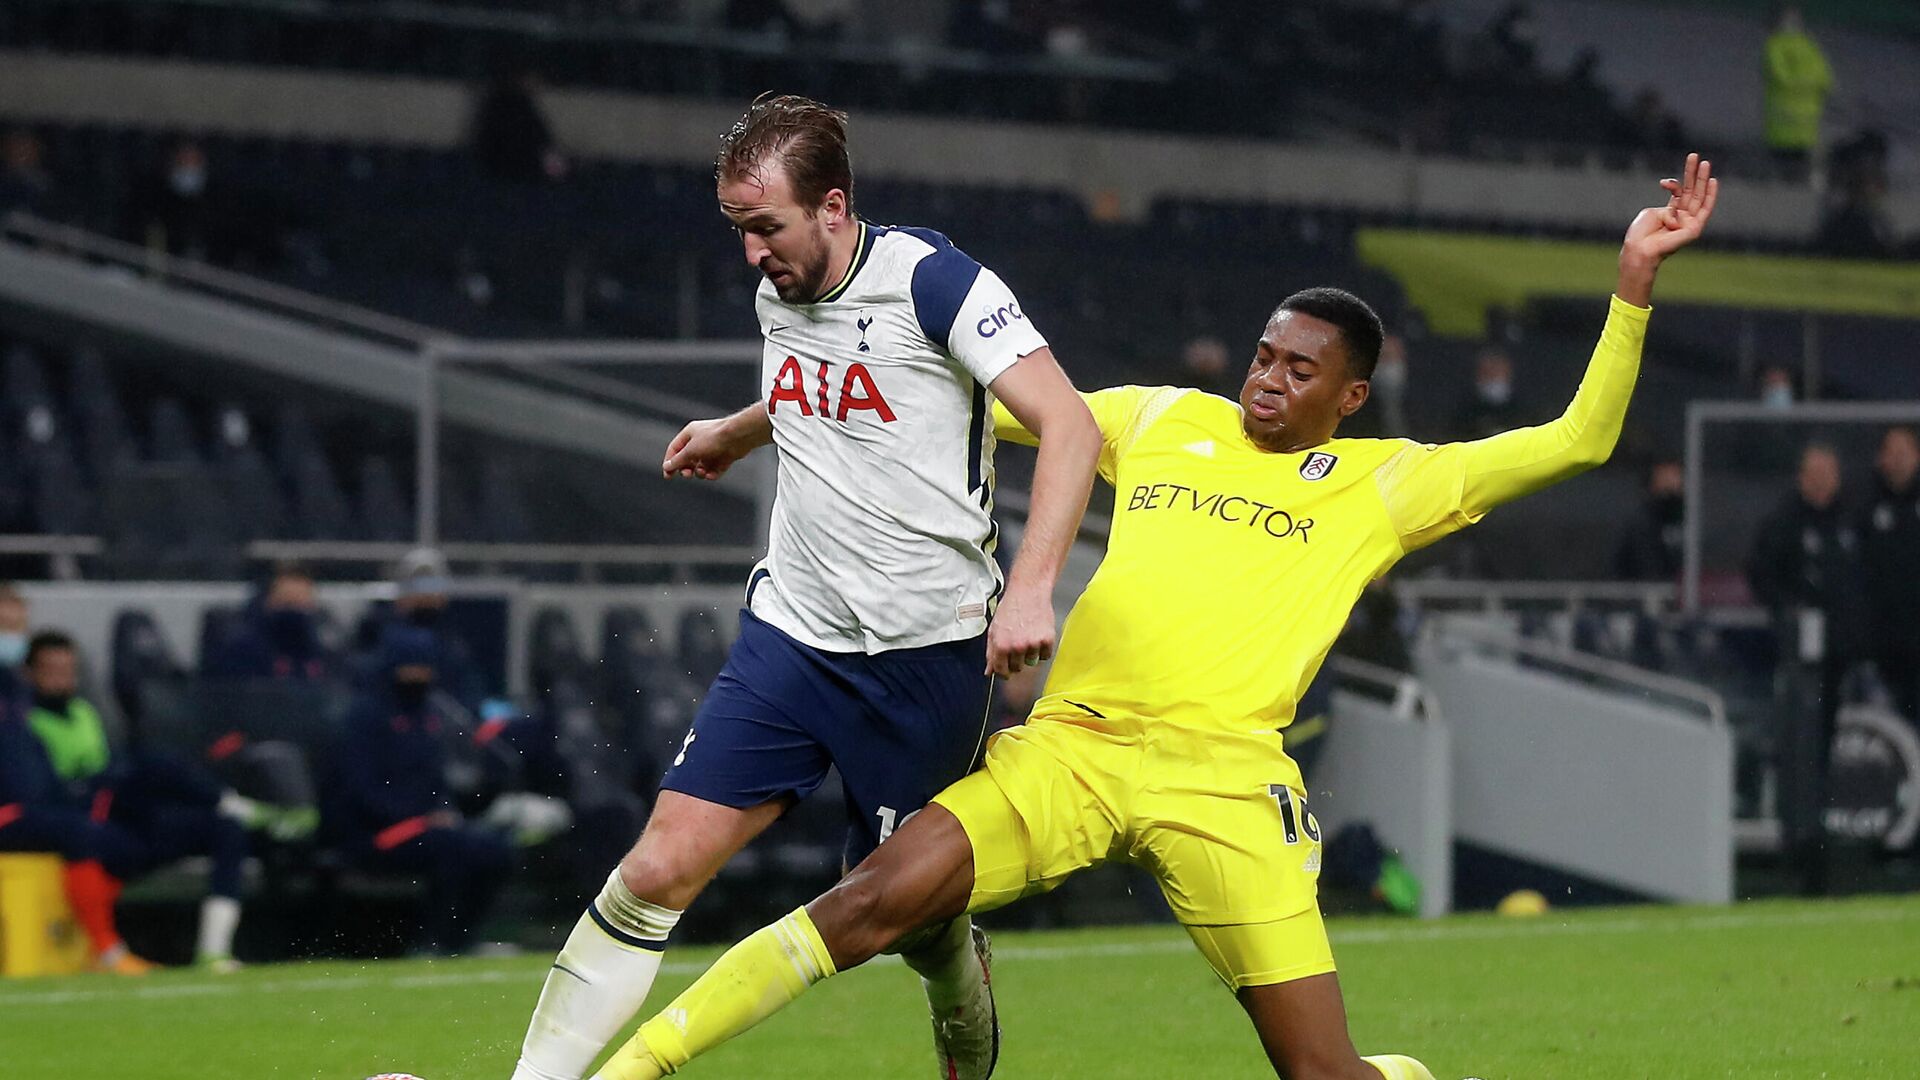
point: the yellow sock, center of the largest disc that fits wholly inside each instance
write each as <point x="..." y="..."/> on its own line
<point x="1399" y="1067"/>
<point x="755" y="979"/>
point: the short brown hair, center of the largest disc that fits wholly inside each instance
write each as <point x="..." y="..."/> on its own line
<point x="807" y="138"/>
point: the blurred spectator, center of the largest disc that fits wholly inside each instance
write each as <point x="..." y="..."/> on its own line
<point x="421" y="586"/>
<point x="114" y="816"/>
<point x="1798" y="81"/>
<point x="1776" y="387"/>
<point x="509" y="133"/>
<point x="1205" y="364"/>
<point x="1805" y="570"/>
<point x="1650" y="127"/>
<point x="279" y="636"/>
<point x="174" y="211"/>
<point x="1890" y="555"/>
<point x="1856" y="222"/>
<point x="1806" y="552"/>
<point x="1652" y="547"/>
<point x="13" y="646"/>
<point x="392" y="807"/>
<point x="1491" y="409"/>
<point x="25" y="183"/>
<point x="1388" y="400"/>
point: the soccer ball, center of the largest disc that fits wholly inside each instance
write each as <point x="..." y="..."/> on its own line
<point x="1523" y="903"/>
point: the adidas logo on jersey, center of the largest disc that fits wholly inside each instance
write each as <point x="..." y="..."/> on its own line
<point x="1204" y="448"/>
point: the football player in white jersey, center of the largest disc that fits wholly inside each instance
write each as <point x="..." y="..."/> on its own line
<point x="874" y="624"/>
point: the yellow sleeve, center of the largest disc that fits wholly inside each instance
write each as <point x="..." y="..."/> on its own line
<point x="1431" y="491"/>
<point x="1121" y="412"/>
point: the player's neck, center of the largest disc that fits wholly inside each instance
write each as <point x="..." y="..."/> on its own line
<point x="841" y="251"/>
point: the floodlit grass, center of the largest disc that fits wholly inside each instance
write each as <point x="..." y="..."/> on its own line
<point x="1763" y="990"/>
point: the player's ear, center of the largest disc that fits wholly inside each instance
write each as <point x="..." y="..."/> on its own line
<point x="834" y="208"/>
<point x="1355" y="397"/>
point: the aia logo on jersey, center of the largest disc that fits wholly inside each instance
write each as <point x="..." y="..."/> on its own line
<point x="1317" y="465"/>
<point x="815" y="396"/>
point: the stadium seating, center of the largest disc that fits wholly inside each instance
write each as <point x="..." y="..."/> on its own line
<point x="1209" y="67"/>
<point x="422" y="234"/>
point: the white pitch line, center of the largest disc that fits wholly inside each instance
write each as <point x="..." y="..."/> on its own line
<point x="1729" y="920"/>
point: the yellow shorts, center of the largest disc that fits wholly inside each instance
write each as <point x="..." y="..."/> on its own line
<point x="1221" y="823"/>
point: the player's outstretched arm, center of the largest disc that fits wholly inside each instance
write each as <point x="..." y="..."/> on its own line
<point x="706" y="448"/>
<point x="1515" y="463"/>
<point x="1041" y="398"/>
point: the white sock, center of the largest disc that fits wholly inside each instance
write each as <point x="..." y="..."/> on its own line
<point x="949" y="969"/>
<point x="598" y="982"/>
<point x="219" y="918"/>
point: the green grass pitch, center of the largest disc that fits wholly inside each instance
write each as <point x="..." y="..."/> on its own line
<point x="1762" y="990"/>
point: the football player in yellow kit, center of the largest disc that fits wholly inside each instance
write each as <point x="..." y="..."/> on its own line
<point x="1243" y="535"/>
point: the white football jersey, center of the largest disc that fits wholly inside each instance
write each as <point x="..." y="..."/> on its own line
<point x="882" y="534"/>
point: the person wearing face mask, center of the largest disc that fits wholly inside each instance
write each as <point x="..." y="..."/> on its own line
<point x="1388" y="417"/>
<point x="1889" y="528"/>
<point x="1776" y="387"/>
<point x="1651" y="548"/>
<point x="279" y="637"/>
<point x="422" y="583"/>
<point x="392" y="808"/>
<point x="173" y="209"/>
<point x="1491" y="409"/>
<point x="115" y="815"/>
<point x="13" y="644"/>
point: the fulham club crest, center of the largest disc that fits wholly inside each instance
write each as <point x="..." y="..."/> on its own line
<point x="1317" y="465"/>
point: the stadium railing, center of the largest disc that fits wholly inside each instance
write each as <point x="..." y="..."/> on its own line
<point x="1584" y="764"/>
<point x="552" y="392"/>
<point x="1387" y="763"/>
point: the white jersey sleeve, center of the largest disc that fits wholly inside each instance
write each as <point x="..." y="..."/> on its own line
<point x="970" y="314"/>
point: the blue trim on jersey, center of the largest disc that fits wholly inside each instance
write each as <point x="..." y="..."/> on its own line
<point x="754" y="579"/>
<point x="941" y="282"/>
<point x="976" y="434"/>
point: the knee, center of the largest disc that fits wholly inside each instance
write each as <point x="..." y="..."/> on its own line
<point x="858" y="919"/>
<point x="658" y="879"/>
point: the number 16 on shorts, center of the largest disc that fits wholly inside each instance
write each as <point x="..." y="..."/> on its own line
<point x="1293" y="820"/>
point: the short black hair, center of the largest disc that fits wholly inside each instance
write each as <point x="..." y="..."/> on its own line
<point x="1360" y="328"/>
<point x="47" y="641"/>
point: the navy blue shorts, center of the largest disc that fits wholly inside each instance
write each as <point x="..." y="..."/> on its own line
<point x="900" y="726"/>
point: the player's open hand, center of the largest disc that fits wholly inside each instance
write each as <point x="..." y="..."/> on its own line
<point x="1659" y="231"/>
<point x="704" y="449"/>
<point x="1022" y="634"/>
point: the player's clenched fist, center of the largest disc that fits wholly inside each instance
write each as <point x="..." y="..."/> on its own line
<point x="1022" y="634"/>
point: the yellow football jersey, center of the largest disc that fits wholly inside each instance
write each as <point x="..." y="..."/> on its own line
<point x="1230" y="569"/>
